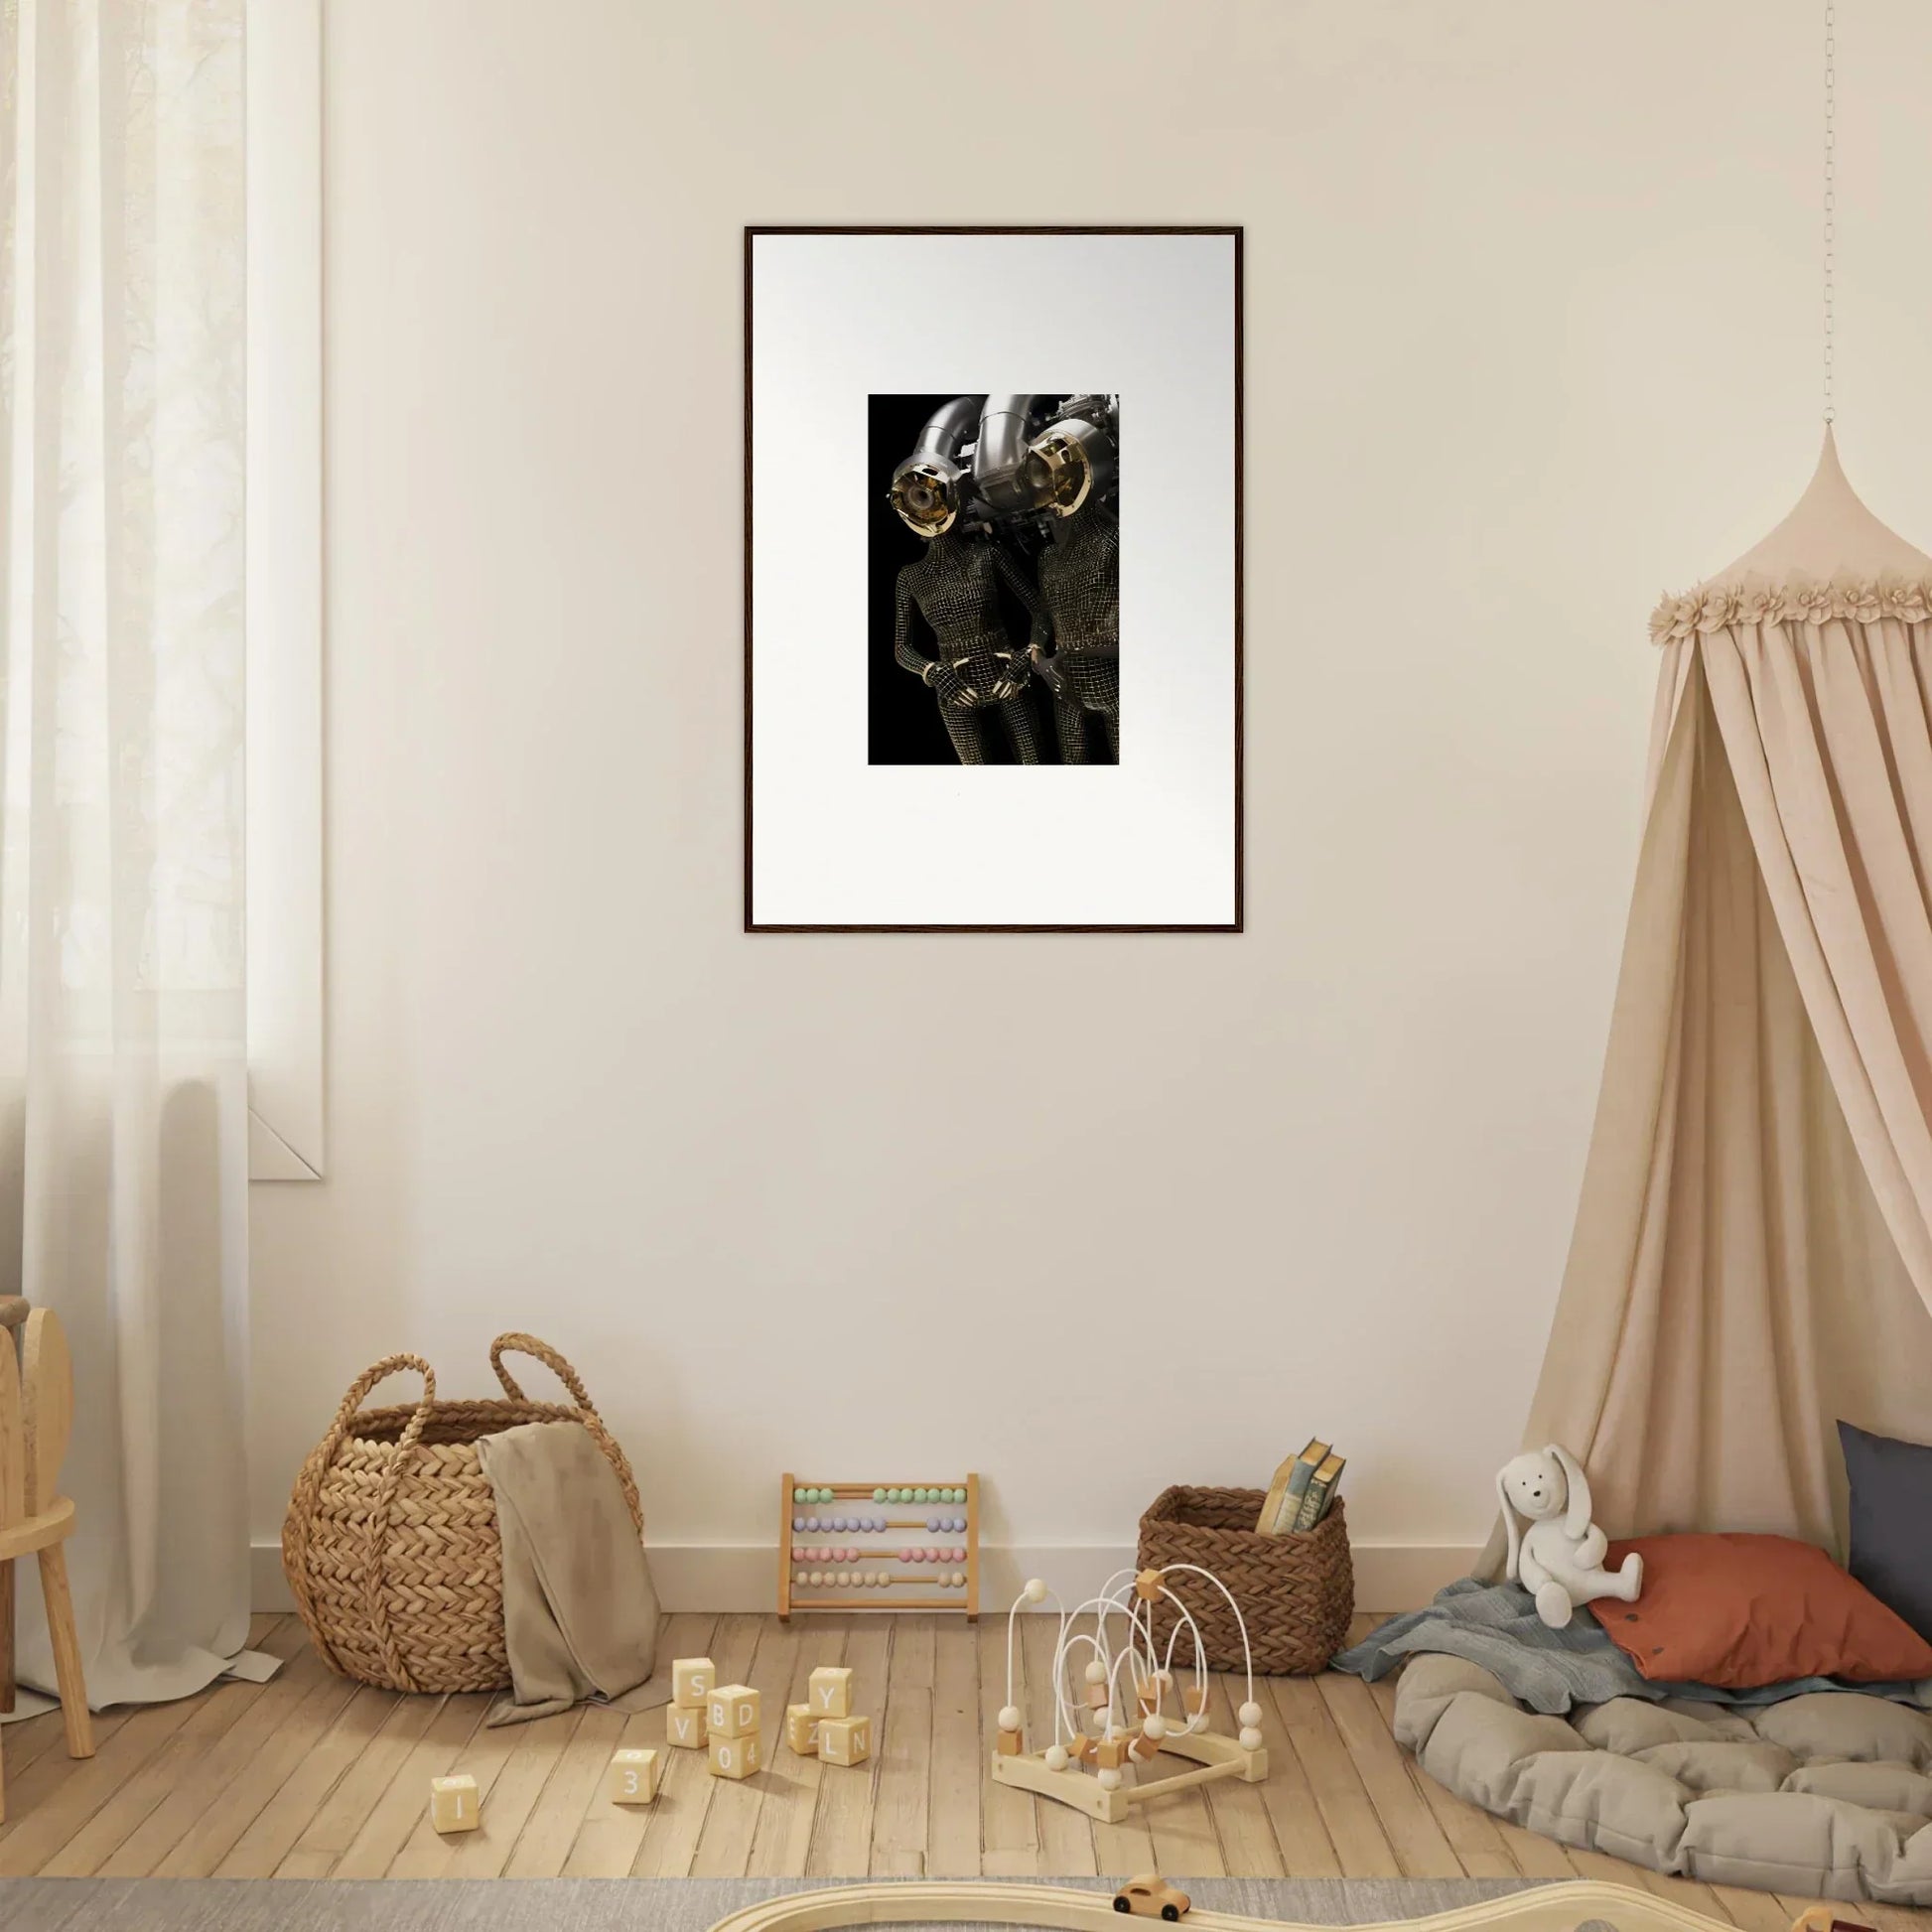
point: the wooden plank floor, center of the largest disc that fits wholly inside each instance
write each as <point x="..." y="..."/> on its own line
<point x="310" y="1776"/>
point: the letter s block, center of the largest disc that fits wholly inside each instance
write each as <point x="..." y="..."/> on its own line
<point x="692" y="1681"/>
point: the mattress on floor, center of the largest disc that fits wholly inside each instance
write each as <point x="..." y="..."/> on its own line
<point x="1829" y="1795"/>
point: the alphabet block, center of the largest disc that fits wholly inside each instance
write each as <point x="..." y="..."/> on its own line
<point x="693" y="1678"/>
<point x="844" y="1740"/>
<point x="632" y="1777"/>
<point x="801" y="1729"/>
<point x="453" y="1805"/>
<point x="1110" y="1753"/>
<point x="734" y="1757"/>
<point x="830" y="1688"/>
<point x="684" y="1729"/>
<point x="732" y="1711"/>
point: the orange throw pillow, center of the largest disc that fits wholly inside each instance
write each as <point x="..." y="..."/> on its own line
<point x="1740" y="1610"/>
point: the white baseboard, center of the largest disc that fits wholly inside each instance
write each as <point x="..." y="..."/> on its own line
<point x="725" y="1578"/>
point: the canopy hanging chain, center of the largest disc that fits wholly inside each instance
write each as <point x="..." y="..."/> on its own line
<point x="1831" y="189"/>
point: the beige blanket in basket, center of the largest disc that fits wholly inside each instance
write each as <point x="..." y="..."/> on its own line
<point x="580" y="1613"/>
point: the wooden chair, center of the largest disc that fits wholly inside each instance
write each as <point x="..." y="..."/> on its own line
<point x="35" y="1422"/>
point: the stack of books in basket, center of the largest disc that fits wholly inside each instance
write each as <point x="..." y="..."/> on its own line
<point x="1304" y="1490"/>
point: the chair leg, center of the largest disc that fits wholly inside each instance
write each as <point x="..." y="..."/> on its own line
<point x="6" y="1636"/>
<point x="67" y="1652"/>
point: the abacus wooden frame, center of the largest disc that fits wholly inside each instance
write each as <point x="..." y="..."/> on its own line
<point x="869" y="1600"/>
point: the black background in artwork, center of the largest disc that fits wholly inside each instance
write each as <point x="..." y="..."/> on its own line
<point x="903" y="726"/>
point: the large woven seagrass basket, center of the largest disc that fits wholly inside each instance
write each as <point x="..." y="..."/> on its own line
<point x="391" y="1545"/>
<point x="1297" y="1592"/>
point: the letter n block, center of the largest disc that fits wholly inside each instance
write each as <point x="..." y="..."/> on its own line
<point x="830" y="1688"/>
<point x="684" y="1730"/>
<point x="844" y="1740"/>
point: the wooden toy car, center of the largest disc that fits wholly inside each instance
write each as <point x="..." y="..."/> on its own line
<point x="1151" y="1896"/>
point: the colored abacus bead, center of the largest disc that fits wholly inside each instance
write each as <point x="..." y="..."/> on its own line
<point x="878" y="1495"/>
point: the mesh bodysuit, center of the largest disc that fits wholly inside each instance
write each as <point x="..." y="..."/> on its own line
<point x="1079" y="594"/>
<point x="955" y="588"/>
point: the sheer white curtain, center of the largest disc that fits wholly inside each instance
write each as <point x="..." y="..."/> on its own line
<point x="123" y="1164"/>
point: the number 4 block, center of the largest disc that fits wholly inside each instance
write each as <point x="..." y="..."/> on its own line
<point x="734" y="1757"/>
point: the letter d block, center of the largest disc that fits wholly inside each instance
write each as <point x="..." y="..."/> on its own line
<point x="453" y="1805"/>
<point x="830" y="1690"/>
<point x="684" y="1730"/>
<point x="845" y="1740"/>
<point x="693" y="1678"/>
<point x="632" y="1777"/>
<point x="732" y="1711"/>
<point x="801" y="1729"/>
<point x="734" y="1757"/>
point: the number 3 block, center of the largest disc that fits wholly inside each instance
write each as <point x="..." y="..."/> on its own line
<point x="631" y="1778"/>
<point x="453" y="1805"/>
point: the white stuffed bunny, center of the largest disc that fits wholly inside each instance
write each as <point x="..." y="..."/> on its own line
<point x="1560" y="1558"/>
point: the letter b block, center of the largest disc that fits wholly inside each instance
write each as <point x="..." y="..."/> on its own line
<point x="830" y="1686"/>
<point x="453" y="1805"/>
<point x="734" y="1757"/>
<point x="732" y="1711"/>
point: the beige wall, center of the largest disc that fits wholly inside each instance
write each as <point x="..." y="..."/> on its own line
<point x="1532" y="333"/>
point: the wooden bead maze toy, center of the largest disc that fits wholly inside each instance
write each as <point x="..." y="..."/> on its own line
<point x="879" y="1546"/>
<point x="1094" y="1739"/>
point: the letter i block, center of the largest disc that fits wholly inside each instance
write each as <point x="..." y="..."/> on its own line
<point x="684" y="1730"/>
<point x="693" y="1678"/>
<point x="830" y="1687"/>
<point x="732" y="1711"/>
<point x="844" y="1740"/>
<point x="801" y="1729"/>
<point x="631" y="1778"/>
<point x="734" y="1757"/>
<point x="453" y="1805"/>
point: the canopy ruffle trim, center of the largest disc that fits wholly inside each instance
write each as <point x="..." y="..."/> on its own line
<point x="1852" y="599"/>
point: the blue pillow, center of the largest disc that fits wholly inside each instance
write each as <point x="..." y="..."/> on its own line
<point x="1891" y="1522"/>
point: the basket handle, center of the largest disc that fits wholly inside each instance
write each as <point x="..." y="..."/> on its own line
<point x="522" y="1344"/>
<point x="308" y="1488"/>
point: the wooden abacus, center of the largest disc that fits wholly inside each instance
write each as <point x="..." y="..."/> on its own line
<point x="922" y="1537"/>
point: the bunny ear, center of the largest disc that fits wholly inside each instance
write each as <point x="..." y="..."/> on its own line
<point x="1511" y="1524"/>
<point x="1577" y="1505"/>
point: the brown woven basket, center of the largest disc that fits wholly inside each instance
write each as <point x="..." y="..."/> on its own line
<point x="1297" y="1592"/>
<point x="391" y="1545"/>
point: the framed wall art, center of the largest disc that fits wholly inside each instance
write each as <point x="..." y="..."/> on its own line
<point x="993" y="638"/>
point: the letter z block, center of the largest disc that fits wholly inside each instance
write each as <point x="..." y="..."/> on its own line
<point x="801" y="1729"/>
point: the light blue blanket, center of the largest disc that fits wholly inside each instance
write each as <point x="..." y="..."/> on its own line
<point x="1496" y="1625"/>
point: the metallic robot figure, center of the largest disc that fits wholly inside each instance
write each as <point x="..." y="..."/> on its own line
<point x="1043" y="477"/>
<point x="1073" y="465"/>
<point x="979" y="669"/>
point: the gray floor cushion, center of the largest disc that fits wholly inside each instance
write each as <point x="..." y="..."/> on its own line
<point x="1828" y="1795"/>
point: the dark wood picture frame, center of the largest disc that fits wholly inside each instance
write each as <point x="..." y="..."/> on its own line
<point x="1237" y="923"/>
